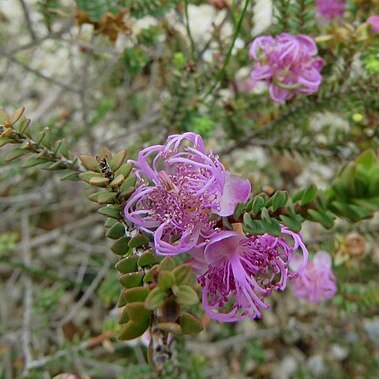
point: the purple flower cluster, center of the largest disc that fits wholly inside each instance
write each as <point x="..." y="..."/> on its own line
<point x="237" y="272"/>
<point x="317" y="282"/>
<point x="184" y="193"/>
<point x="182" y="187"/>
<point x="373" y="21"/>
<point x="330" y="9"/>
<point x="288" y="64"/>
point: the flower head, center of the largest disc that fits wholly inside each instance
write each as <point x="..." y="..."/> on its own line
<point x="317" y="282"/>
<point x="330" y="9"/>
<point x="288" y="64"/>
<point x="374" y="22"/>
<point x="237" y="272"/>
<point x="182" y="187"/>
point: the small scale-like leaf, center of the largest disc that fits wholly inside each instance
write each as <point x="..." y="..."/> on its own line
<point x="257" y="205"/>
<point x="105" y="153"/>
<point x="291" y="223"/>
<point x="122" y="299"/>
<point x="147" y="259"/>
<point x="127" y="265"/>
<point x="169" y="327"/>
<point x="183" y="274"/>
<point x="90" y="163"/>
<point x="165" y="280"/>
<point x="99" y="181"/>
<point x="239" y="209"/>
<point x="134" y="279"/>
<point x="279" y="200"/>
<point x="116" y="231"/>
<point x="111" y="211"/>
<point x="138" y="241"/>
<point x="136" y="294"/>
<point x="117" y="160"/>
<point x="125" y="169"/>
<point x="129" y="182"/>
<point x="103" y="197"/>
<point x="71" y="177"/>
<point x="308" y="195"/>
<point x="5" y="140"/>
<point x="323" y="217"/>
<point x="185" y="295"/>
<point x="155" y="299"/>
<point x="190" y="324"/>
<point x="88" y="175"/>
<point x="167" y="264"/>
<point x="133" y="330"/>
<point x="117" y="181"/>
<point x="137" y="311"/>
<point x="121" y="246"/>
<point x="150" y="275"/>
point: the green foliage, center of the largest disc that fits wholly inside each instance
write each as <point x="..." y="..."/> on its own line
<point x="96" y="8"/>
<point x="7" y="242"/>
<point x="134" y="60"/>
<point x="141" y="8"/>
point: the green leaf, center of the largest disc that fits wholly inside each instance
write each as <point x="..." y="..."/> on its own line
<point x="147" y="259"/>
<point x="309" y="195"/>
<point x="127" y="265"/>
<point x="271" y="226"/>
<point x="117" y="160"/>
<point x="71" y="177"/>
<point x="86" y="176"/>
<point x="103" y="197"/>
<point x="190" y="324"/>
<point x="90" y="163"/>
<point x="155" y="299"/>
<point x="239" y="209"/>
<point x="279" y="200"/>
<point x="167" y="264"/>
<point x="138" y="241"/>
<point x="121" y="246"/>
<point x="291" y="223"/>
<point x="166" y="280"/>
<point x="183" y="274"/>
<point x="124" y="170"/>
<point x="31" y="162"/>
<point x="14" y="154"/>
<point x="117" y="181"/>
<point x="122" y="300"/>
<point x="323" y="217"/>
<point x="169" y="327"/>
<point x="99" y="181"/>
<point x="111" y="211"/>
<point x="116" y="231"/>
<point x="5" y="140"/>
<point x="185" y="295"/>
<point x="133" y="330"/>
<point x="150" y="275"/>
<point x="137" y="311"/>
<point x="128" y="183"/>
<point x="257" y="205"/>
<point x="367" y="159"/>
<point x="136" y="294"/>
<point x="133" y="279"/>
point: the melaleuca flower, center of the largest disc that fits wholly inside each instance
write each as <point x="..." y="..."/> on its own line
<point x="330" y="9"/>
<point x="317" y="282"/>
<point x="288" y="64"/>
<point x="237" y="272"/>
<point x="182" y="188"/>
<point x="374" y="23"/>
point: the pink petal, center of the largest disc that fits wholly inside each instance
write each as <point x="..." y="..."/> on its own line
<point x="236" y="190"/>
<point x="323" y="258"/>
<point x="222" y="244"/>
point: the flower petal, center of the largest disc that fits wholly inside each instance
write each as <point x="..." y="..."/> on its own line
<point x="236" y="190"/>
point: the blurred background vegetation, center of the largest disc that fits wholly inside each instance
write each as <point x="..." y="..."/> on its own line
<point x="126" y="74"/>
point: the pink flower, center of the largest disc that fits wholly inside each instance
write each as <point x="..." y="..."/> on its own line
<point x="288" y="64"/>
<point x="330" y="9"/>
<point x="317" y="282"/>
<point x="374" y="22"/>
<point x="185" y="188"/>
<point x="237" y="272"/>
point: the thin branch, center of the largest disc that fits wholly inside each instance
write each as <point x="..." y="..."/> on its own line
<point x="28" y="20"/>
<point x="26" y="324"/>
